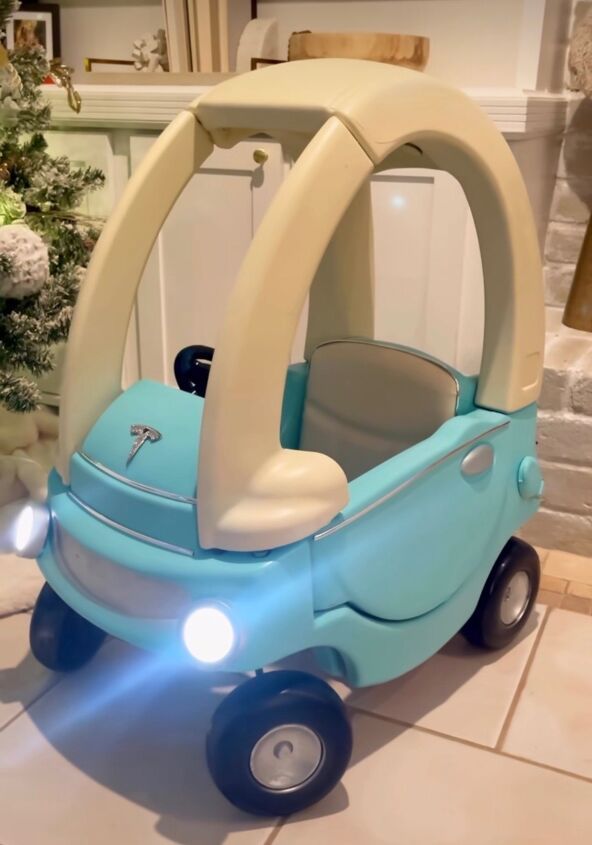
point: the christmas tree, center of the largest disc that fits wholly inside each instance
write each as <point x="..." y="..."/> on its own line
<point x="45" y="245"/>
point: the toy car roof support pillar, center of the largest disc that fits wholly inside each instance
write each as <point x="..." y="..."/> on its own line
<point x="358" y="115"/>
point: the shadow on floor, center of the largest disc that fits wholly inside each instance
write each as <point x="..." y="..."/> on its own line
<point x="137" y="725"/>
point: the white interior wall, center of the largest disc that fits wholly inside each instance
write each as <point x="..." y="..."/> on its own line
<point x="555" y="39"/>
<point x="473" y="42"/>
<point x="105" y="29"/>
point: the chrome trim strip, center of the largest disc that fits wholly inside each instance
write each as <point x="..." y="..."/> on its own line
<point x="333" y="529"/>
<point x="162" y="544"/>
<point x="137" y="485"/>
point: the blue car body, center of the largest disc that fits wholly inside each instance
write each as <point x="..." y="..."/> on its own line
<point x="375" y="592"/>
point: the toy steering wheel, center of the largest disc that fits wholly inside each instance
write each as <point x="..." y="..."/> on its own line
<point x="192" y="369"/>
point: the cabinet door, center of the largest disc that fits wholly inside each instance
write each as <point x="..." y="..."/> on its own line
<point x="429" y="290"/>
<point x="199" y="251"/>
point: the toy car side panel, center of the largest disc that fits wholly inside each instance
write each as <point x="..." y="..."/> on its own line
<point x="425" y="525"/>
<point x="368" y="651"/>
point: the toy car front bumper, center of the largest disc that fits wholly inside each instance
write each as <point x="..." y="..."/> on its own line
<point x="143" y="594"/>
<point x="270" y="601"/>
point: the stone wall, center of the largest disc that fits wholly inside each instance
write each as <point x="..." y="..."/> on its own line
<point x="565" y="419"/>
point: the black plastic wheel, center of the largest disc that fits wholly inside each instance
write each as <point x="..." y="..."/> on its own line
<point x="507" y="598"/>
<point x="60" y="638"/>
<point x="279" y="743"/>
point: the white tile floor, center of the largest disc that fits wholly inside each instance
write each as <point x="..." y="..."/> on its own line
<point x="469" y="749"/>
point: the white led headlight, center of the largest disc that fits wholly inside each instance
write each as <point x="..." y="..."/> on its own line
<point x="209" y="634"/>
<point x="23" y="528"/>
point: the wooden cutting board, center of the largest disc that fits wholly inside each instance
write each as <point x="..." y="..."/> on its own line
<point x="411" y="51"/>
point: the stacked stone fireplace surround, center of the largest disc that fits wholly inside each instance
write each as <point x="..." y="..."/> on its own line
<point x="565" y="417"/>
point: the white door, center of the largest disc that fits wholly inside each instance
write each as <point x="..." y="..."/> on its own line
<point x="429" y="290"/>
<point x="199" y="251"/>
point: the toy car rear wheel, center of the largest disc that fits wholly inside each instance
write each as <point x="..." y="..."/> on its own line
<point x="60" y="638"/>
<point x="280" y="743"/>
<point x="507" y="598"/>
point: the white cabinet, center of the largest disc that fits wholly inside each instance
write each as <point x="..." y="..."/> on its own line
<point x="107" y="150"/>
<point x="429" y="285"/>
<point x="429" y="288"/>
<point x="199" y="251"/>
<point x="429" y="291"/>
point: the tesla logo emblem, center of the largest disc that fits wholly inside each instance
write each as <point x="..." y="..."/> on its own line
<point x="143" y="434"/>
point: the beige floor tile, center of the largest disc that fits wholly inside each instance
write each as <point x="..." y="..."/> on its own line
<point x="22" y="679"/>
<point x="406" y="787"/>
<point x="582" y="590"/>
<point x="549" y="598"/>
<point x="553" y="719"/>
<point x="570" y="567"/>
<point x="552" y="584"/>
<point x="115" y="756"/>
<point x="542" y="553"/>
<point x="462" y="691"/>
<point x="576" y="603"/>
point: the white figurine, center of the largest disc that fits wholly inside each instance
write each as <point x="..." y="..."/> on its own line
<point x="150" y="52"/>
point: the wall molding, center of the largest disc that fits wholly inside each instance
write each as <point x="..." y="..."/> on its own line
<point x="516" y="113"/>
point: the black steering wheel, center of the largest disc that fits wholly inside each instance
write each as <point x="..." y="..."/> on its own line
<point x="192" y="369"/>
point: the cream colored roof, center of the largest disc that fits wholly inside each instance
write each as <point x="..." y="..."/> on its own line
<point x="252" y="493"/>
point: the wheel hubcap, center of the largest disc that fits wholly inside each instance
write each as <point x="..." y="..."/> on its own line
<point x="515" y="599"/>
<point x="286" y="757"/>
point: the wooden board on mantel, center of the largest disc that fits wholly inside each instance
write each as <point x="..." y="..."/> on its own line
<point x="411" y="51"/>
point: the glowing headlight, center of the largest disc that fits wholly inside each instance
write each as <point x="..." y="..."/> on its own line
<point x="208" y="634"/>
<point x="23" y="528"/>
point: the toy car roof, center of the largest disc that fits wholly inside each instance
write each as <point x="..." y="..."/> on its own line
<point x="344" y="119"/>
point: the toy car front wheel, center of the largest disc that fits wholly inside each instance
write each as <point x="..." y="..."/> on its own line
<point x="60" y="638"/>
<point x="507" y="598"/>
<point x="279" y="743"/>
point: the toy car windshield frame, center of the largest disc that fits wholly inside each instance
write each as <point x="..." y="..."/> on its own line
<point x="342" y="120"/>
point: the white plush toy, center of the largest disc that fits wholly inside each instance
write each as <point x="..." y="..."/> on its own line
<point x="29" y="261"/>
<point x="27" y="451"/>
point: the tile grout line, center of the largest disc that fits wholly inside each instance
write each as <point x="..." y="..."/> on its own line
<point x="522" y="683"/>
<point x="470" y="743"/>
<point x="30" y="704"/>
<point x="276" y="831"/>
<point x="543" y="557"/>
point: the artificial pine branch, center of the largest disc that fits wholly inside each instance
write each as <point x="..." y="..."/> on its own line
<point x="52" y="190"/>
<point x="7" y="8"/>
<point x="18" y="393"/>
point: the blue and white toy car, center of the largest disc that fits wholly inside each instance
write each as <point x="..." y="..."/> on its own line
<point x="361" y="503"/>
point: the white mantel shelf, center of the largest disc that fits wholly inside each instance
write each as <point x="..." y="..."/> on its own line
<point x="516" y="113"/>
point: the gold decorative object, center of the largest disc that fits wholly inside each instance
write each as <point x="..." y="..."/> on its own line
<point x="578" y="311"/>
<point x="260" y="156"/>
<point x="62" y="76"/>
<point x="89" y="62"/>
<point x="411" y="51"/>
